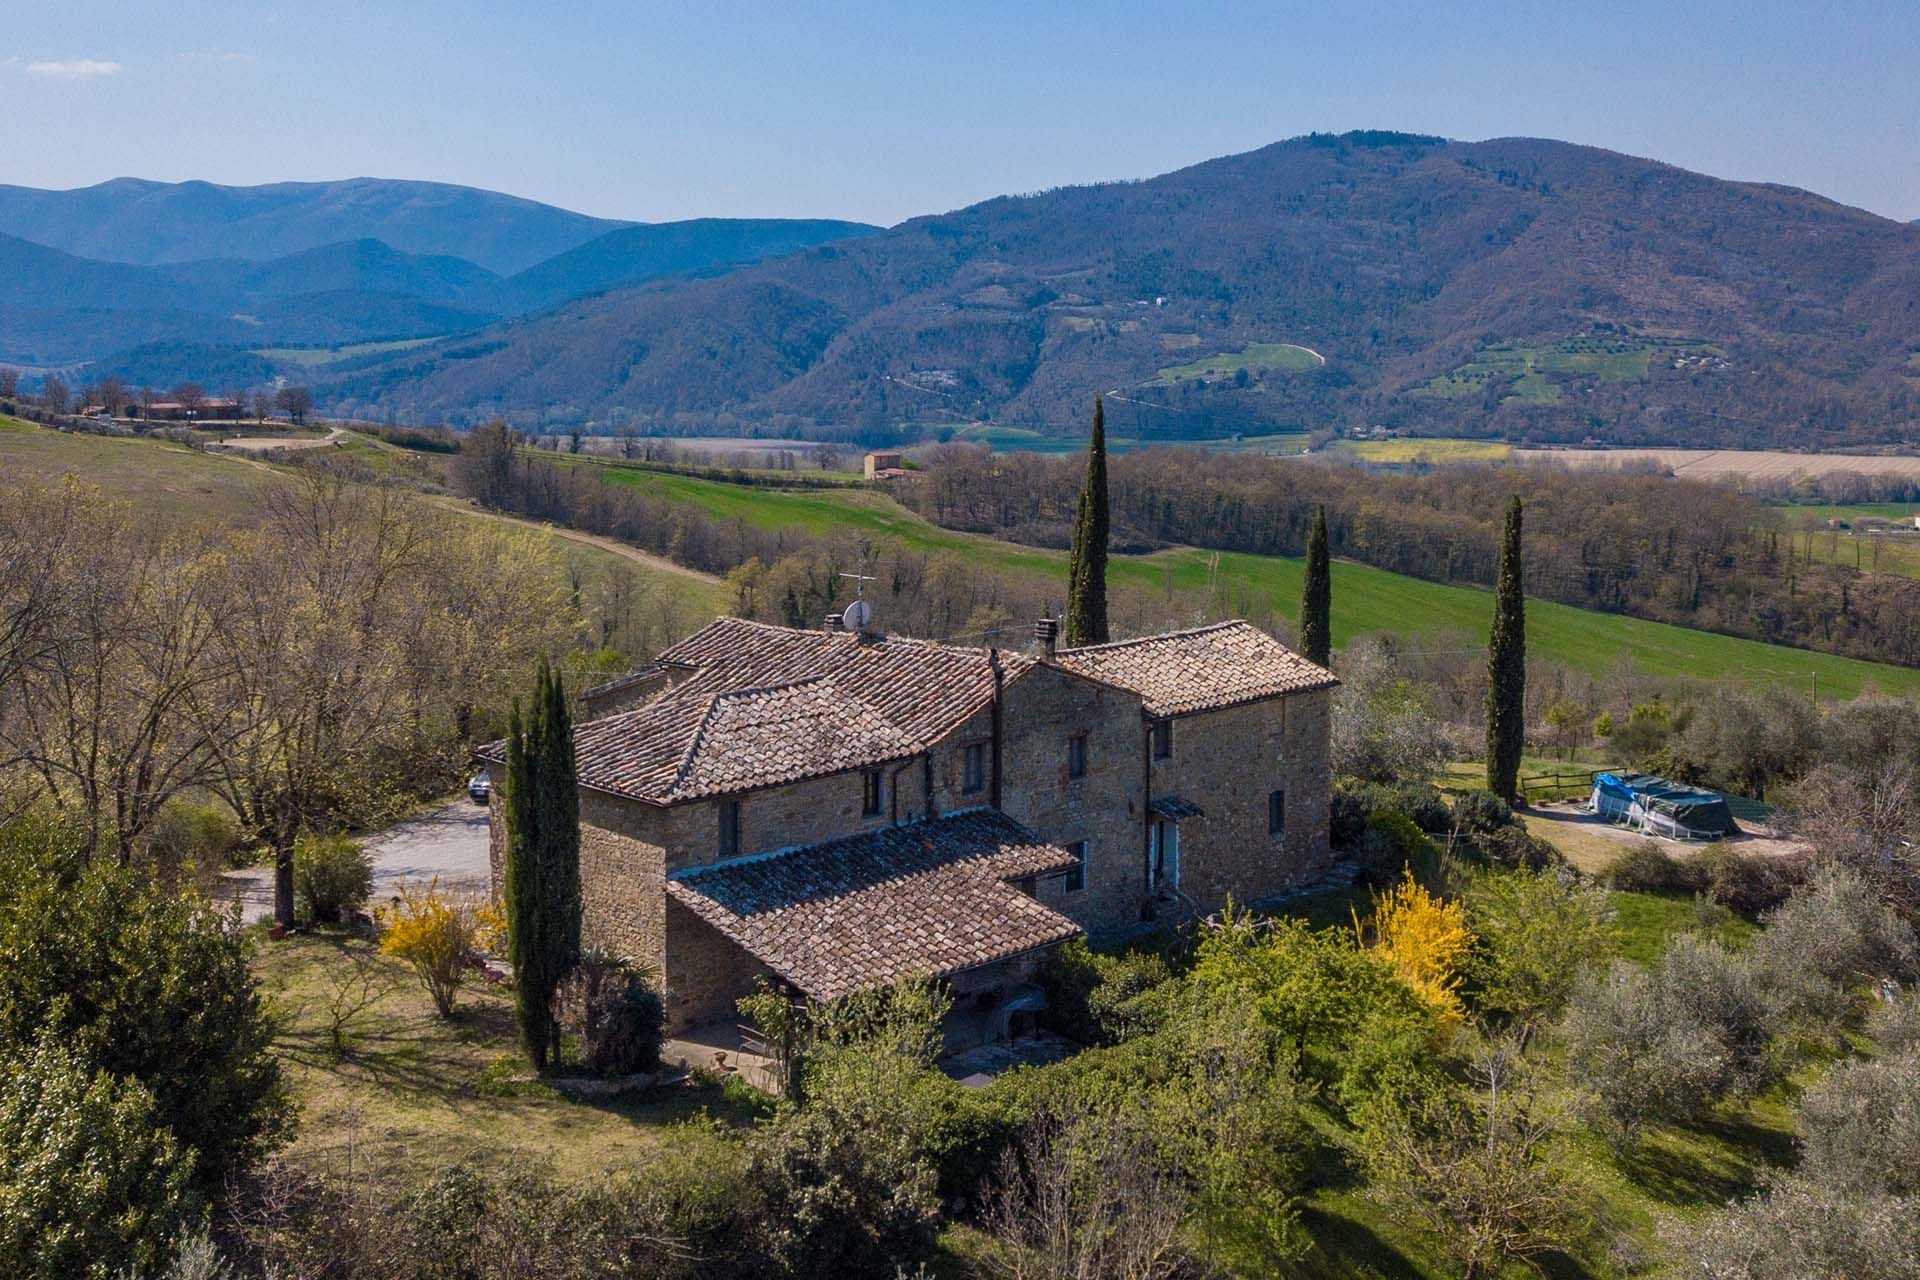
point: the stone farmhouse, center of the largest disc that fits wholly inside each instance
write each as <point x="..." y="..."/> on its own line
<point x="836" y="810"/>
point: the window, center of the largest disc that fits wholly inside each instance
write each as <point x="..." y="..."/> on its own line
<point x="1077" y="756"/>
<point x="870" y="793"/>
<point x="975" y="776"/>
<point x="1276" y="813"/>
<point x="1077" y="876"/>
<point x="729" y="828"/>
<point x="1162" y="739"/>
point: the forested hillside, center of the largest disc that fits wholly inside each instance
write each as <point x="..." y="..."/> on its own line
<point x="1526" y="287"/>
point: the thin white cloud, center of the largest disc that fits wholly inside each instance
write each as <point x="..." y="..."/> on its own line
<point x="217" y="55"/>
<point x="74" y="69"/>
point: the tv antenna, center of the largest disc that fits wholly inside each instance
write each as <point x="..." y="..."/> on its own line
<point x="858" y="612"/>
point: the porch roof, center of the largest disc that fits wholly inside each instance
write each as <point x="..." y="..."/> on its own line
<point x="930" y="897"/>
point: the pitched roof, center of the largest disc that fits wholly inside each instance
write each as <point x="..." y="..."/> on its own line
<point x="923" y="687"/>
<point x="930" y="897"/>
<point x="1200" y="670"/>
<point x="762" y="705"/>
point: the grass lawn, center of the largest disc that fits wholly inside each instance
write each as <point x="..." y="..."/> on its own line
<point x="413" y="1091"/>
<point x="1365" y="599"/>
<point x="1823" y="512"/>
<point x="1870" y="553"/>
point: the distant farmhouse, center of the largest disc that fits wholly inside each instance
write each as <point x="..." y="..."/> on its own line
<point x="885" y="464"/>
<point x="836" y="810"/>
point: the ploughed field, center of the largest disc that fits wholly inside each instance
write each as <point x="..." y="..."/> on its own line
<point x="1751" y="464"/>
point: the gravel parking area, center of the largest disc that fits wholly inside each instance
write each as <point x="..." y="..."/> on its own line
<point x="448" y="841"/>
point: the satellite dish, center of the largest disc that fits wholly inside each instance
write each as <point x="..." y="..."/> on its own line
<point x="856" y="615"/>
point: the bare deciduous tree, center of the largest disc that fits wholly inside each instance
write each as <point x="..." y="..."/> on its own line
<point x="1081" y="1196"/>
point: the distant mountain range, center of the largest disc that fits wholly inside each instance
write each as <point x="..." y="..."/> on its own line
<point x="1531" y="288"/>
<point x="1521" y="287"/>
<point x="88" y="275"/>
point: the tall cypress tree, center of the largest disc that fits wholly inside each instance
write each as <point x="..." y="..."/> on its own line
<point x="1316" y="598"/>
<point x="1507" y="666"/>
<point x="560" y="854"/>
<point x="1087" y="567"/>
<point x="523" y="882"/>
<point x="542" y="810"/>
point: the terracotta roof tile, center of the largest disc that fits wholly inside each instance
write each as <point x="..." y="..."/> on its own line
<point x="930" y="897"/>
<point x="765" y="705"/>
<point x="1185" y="671"/>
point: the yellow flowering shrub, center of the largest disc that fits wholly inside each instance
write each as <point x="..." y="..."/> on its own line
<point x="1422" y="939"/>
<point x="440" y="934"/>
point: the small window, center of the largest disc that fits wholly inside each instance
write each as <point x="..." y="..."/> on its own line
<point x="1276" y="813"/>
<point x="1162" y="739"/>
<point x="1077" y="756"/>
<point x="975" y="776"/>
<point x="729" y="828"/>
<point x="1077" y="876"/>
<point x="870" y="792"/>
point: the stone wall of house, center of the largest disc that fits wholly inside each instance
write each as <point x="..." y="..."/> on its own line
<point x="1105" y="807"/>
<point x="623" y="883"/>
<point x="1228" y="762"/>
<point x="705" y="973"/>
<point x="798" y="814"/>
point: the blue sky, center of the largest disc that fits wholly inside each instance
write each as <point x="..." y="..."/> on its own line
<point x="883" y="111"/>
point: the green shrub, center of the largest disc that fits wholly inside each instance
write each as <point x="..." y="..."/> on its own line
<point x="332" y="878"/>
<point x="627" y="1016"/>
<point x="91" y="1182"/>
<point x="1645" y="867"/>
<point x="1748" y="885"/>
<point x="1480" y="813"/>
<point x="1520" y="849"/>
<point x="1094" y="998"/>
<point x="200" y="835"/>
<point x="1355" y="801"/>
<point x="1390" y="844"/>
<point x="148" y="986"/>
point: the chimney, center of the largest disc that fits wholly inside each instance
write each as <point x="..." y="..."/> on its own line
<point x="1046" y="633"/>
<point x="833" y="621"/>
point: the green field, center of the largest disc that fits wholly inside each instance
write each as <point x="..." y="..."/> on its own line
<point x="1255" y="358"/>
<point x="1419" y="449"/>
<point x="310" y="357"/>
<point x="1524" y="369"/>
<point x="164" y="479"/>
<point x="1364" y="599"/>
<point x="1822" y="512"/>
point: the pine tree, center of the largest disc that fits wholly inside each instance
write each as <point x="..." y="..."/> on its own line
<point x="1316" y="598"/>
<point x="1507" y="666"/>
<point x="1087" y="568"/>
<point x="542" y="811"/>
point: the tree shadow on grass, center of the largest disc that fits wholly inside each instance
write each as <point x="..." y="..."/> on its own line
<point x="1345" y="1246"/>
<point x="1708" y="1162"/>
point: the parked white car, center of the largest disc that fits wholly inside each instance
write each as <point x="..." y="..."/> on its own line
<point x="480" y="787"/>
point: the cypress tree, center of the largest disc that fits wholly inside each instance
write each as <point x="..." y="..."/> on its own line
<point x="1086" y="621"/>
<point x="523" y="882"/>
<point x="1316" y="598"/>
<point x="560" y="853"/>
<point x="1507" y="666"/>
<point x="542" y="811"/>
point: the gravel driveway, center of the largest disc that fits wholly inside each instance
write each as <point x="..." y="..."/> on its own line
<point x="449" y="841"/>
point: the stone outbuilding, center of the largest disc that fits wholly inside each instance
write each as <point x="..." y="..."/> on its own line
<point x="834" y="810"/>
